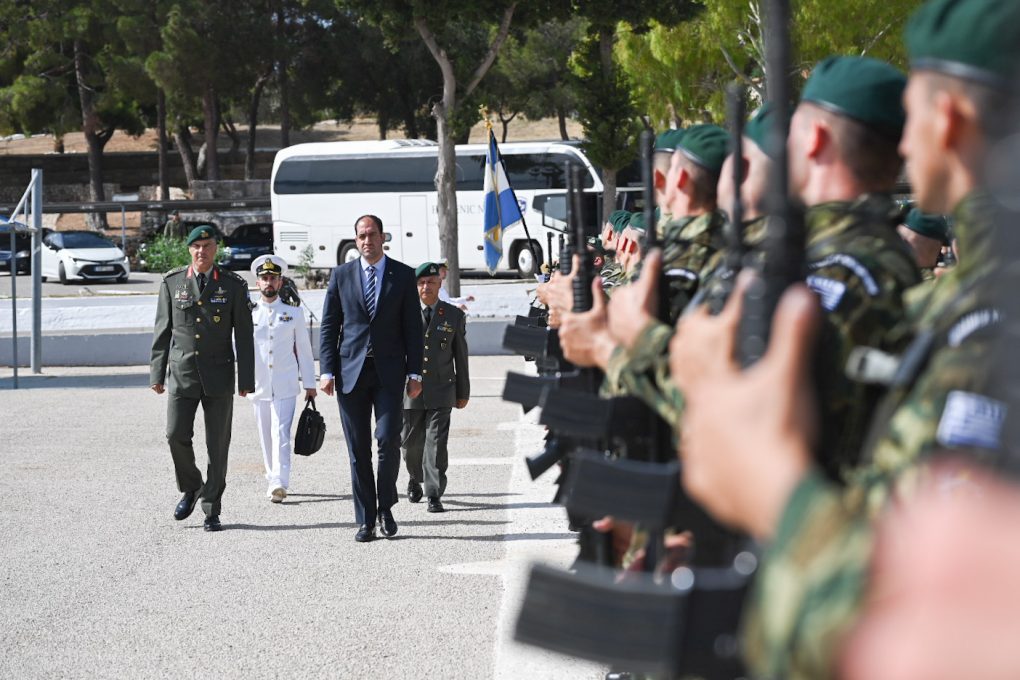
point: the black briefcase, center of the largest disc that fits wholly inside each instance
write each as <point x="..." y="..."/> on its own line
<point x="311" y="430"/>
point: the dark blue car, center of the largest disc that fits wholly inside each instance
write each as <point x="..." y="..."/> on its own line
<point x="22" y="247"/>
<point x="245" y="243"/>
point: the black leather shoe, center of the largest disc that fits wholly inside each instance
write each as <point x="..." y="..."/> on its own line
<point x="436" y="505"/>
<point x="414" y="493"/>
<point x="212" y="523"/>
<point x="389" y="525"/>
<point x="186" y="505"/>
<point x="365" y="533"/>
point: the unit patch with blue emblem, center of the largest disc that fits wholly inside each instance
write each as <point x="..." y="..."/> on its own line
<point x="971" y="420"/>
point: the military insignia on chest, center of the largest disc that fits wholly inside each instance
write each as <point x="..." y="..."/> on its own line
<point x="182" y="294"/>
<point x="445" y="327"/>
<point x="285" y="317"/>
<point x="219" y="297"/>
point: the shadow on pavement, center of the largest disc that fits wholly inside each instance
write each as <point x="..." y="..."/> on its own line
<point x="468" y="506"/>
<point x="28" y="381"/>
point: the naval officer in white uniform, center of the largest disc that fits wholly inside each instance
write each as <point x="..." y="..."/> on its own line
<point x="283" y="353"/>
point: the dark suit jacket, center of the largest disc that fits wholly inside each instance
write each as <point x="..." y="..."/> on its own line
<point x="395" y="331"/>
<point x="445" y="374"/>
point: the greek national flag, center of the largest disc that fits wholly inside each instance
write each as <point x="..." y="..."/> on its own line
<point x="501" y="209"/>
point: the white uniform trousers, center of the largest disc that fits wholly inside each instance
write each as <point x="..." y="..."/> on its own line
<point x="273" y="418"/>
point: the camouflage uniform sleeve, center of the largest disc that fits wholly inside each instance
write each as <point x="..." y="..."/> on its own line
<point x="810" y="586"/>
<point x="643" y="372"/>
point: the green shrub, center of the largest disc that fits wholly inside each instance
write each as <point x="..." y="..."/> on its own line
<point x="164" y="253"/>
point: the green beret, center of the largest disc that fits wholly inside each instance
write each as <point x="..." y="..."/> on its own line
<point x="619" y="219"/>
<point x="864" y="89"/>
<point x="426" y="269"/>
<point x="933" y="226"/>
<point x="596" y="244"/>
<point x="706" y="145"/>
<point x="976" y="40"/>
<point x="759" y="127"/>
<point x="668" y="140"/>
<point x="203" y="231"/>
<point x="637" y="222"/>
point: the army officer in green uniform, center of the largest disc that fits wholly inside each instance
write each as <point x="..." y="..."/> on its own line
<point x="445" y="385"/>
<point x="200" y="307"/>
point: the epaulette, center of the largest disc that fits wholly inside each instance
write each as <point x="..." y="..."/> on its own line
<point x="237" y="277"/>
<point x="176" y="270"/>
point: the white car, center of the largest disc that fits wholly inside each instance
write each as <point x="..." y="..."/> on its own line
<point x="84" y="255"/>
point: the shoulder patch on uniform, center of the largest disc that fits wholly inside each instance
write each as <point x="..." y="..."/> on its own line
<point x="854" y="265"/>
<point x="830" y="291"/>
<point x="176" y="270"/>
<point x="971" y="323"/>
<point x="971" y="420"/>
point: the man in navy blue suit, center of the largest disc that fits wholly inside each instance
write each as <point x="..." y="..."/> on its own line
<point x="370" y="345"/>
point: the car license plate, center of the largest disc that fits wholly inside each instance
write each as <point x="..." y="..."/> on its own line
<point x="104" y="269"/>
<point x="242" y="256"/>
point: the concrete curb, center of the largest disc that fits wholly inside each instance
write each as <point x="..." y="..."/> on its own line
<point x="132" y="347"/>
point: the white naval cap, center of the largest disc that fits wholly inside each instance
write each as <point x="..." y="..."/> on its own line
<point x="268" y="264"/>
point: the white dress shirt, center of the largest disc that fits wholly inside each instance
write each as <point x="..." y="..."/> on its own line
<point x="283" y="351"/>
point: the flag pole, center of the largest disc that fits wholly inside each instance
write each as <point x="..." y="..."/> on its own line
<point x="524" y="221"/>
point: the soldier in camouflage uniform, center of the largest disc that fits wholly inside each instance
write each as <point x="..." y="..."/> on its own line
<point x="856" y="262"/>
<point x="812" y="582"/>
<point x="202" y="314"/>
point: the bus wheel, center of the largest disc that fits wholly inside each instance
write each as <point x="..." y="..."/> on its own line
<point x="527" y="264"/>
<point x="348" y="251"/>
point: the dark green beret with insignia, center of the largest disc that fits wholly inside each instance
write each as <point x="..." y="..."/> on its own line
<point x="203" y="231"/>
<point x="758" y="128"/>
<point x="933" y="226"/>
<point x="669" y="140"/>
<point x="596" y="244"/>
<point x="619" y="219"/>
<point x="706" y="145"/>
<point x="976" y="40"/>
<point x="864" y="89"/>
<point x="426" y="269"/>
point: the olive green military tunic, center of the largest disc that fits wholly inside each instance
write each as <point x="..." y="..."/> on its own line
<point x="193" y="353"/>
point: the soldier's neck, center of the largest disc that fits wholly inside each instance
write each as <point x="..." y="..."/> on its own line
<point x="202" y="271"/>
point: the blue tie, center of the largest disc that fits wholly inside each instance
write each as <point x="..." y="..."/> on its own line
<point x="370" y="292"/>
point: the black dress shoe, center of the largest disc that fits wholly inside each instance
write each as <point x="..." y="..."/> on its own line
<point x="186" y="505"/>
<point x="212" y="523"/>
<point x="414" y="493"/>
<point x="365" y="533"/>
<point x="436" y="505"/>
<point x="389" y="525"/>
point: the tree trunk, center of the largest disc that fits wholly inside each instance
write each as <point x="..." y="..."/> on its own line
<point x="446" y="189"/>
<point x="210" y="114"/>
<point x="561" y="117"/>
<point x="164" y="162"/>
<point x="95" y="136"/>
<point x="608" y="193"/>
<point x="58" y="143"/>
<point x="282" y="66"/>
<point x="253" y="121"/>
<point x="182" y="138"/>
<point x="505" y="122"/>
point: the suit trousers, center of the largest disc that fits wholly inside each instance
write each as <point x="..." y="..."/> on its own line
<point x="423" y="442"/>
<point x="180" y="430"/>
<point x="356" y="408"/>
<point x="273" y="418"/>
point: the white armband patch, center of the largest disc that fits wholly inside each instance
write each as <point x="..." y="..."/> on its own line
<point x="971" y="420"/>
<point x="829" y="290"/>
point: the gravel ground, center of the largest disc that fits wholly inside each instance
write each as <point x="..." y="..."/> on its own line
<point x="100" y="581"/>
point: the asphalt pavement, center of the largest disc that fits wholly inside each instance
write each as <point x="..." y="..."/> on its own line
<point x="100" y="581"/>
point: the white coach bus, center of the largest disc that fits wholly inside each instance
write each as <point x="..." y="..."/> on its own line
<point x="320" y="189"/>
